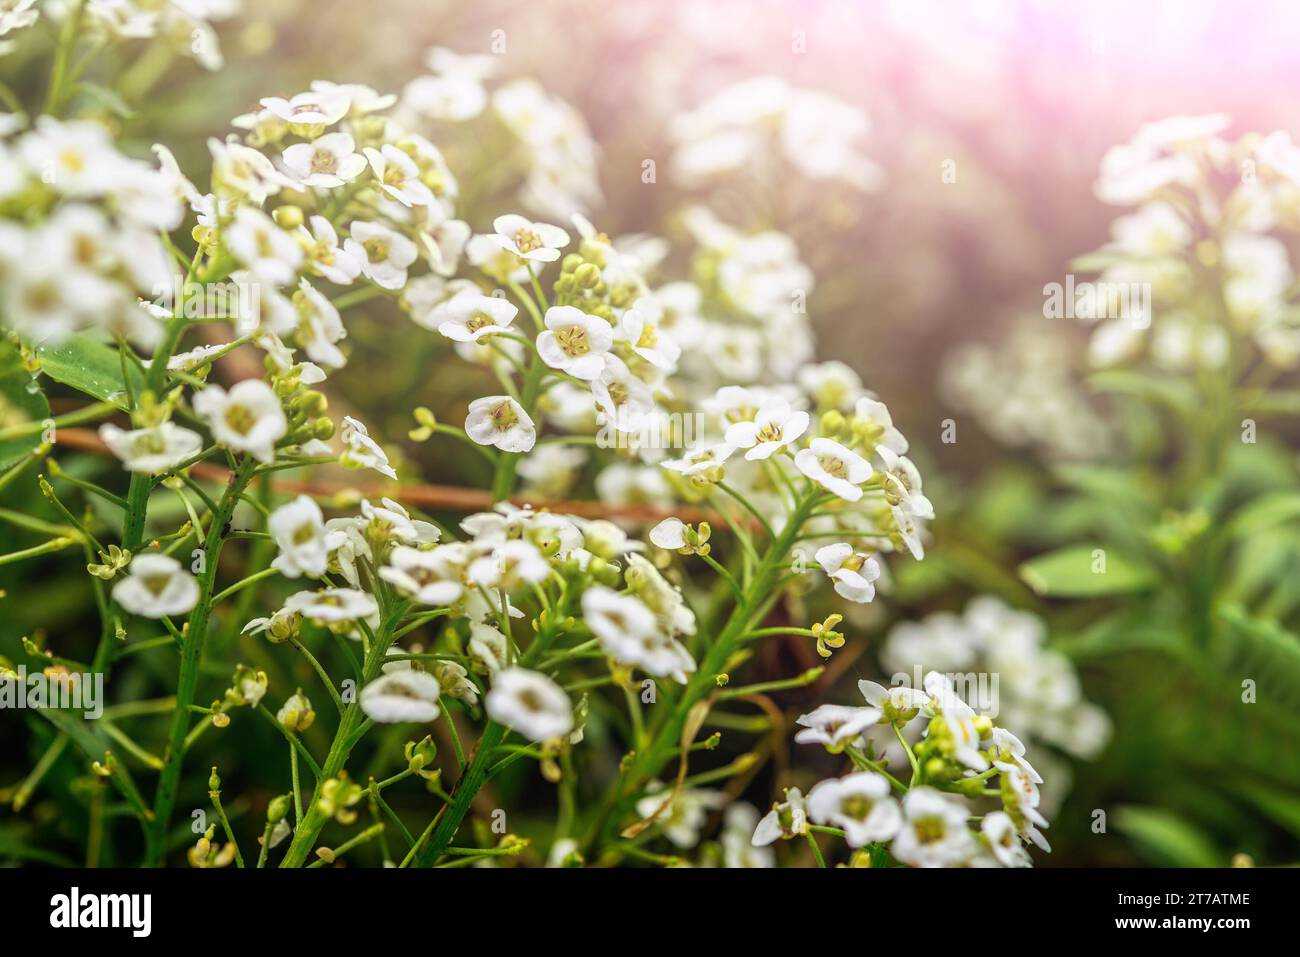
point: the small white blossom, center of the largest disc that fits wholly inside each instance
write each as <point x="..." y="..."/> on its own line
<point x="248" y="418"/>
<point x="530" y="703"/>
<point x="156" y="587"/>
<point x="835" y="726"/>
<point x="854" y="574"/>
<point x="834" y="467"/>
<point x="299" y="531"/>
<point x="360" y="451"/>
<point x="501" y="421"/>
<point x="575" y="342"/>
<point x="860" y="804"/>
<point x="469" y="316"/>
<point x="934" y="832"/>
<point x="384" y="253"/>
<point x="774" y="426"/>
<point x="151" y="450"/>
<point x="398" y="175"/>
<point x="326" y="163"/>
<point x="535" y="242"/>
<point x="402" y="696"/>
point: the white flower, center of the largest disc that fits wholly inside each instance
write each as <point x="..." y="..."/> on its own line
<point x="853" y="573"/>
<point x="835" y="726"/>
<point x="501" y="421"/>
<point x="787" y="819"/>
<point x="899" y="703"/>
<point x="537" y="242"/>
<point x="860" y="804"/>
<point x="16" y="14"/>
<point x="398" y="175"/>
<point x="299" y="530"/>
<point x="74" y="159"/>
<point x="530" y="703"/>
<point x="575" y="342"/>
<point x="774" y="426"/>
<point x="421" y="574"/>
<point x="360" y="451"/>
<point x="469" y="316"/>
<point x="325" y="255"/>
<point x="268" y="251"/>
<point x="683" y="819"/>
<point x="319" y="326"/>
<point x="306" y="110"/>
<point x="630" y="633"/>
<point x="642" y="328"/>
<point x="934" y="832"/>
<point x="902" y="483"/>
<point x="738" y="849"/>
<point x="333" y="604"/>
<point x="327" y="162"/>
<point x="241" y="170"/>
<point x="405" y="695"/>
<point x="488" y="645"/>
<point x="1003" y="840"/>
<point x="622" y="398"/>
<point x="156" y="587"/>
<point x="872" y="421"/>
<point x="834" y="467"/>
<point x="670" y="534"/>
<point x="384" y="253"/>
<point x="551" y="470"/>
<point x="510" y="565"/>
<point x="248" y="418"/>
<point x="151" y="450"/>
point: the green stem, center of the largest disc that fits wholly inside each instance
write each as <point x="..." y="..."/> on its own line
<point x="191" y="655"/>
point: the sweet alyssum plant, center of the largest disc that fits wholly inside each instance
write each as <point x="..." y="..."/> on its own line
<point x="514" y="626"/>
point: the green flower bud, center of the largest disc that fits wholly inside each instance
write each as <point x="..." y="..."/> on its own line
<point x="587" y="275"/>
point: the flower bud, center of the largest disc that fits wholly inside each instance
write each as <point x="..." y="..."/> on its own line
<point x="587" y="275"/>
<point x="278" y="809"/>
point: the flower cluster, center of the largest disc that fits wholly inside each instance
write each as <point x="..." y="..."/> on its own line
<point x="1207" y="237"/>
<point x="962" y="763"/>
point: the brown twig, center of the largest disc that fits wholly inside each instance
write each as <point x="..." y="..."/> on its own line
<point x="452" y="498"/>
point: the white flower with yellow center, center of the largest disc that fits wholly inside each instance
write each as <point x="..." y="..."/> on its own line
<point x="902" y="484"/>
<point x="623" y="399"/>
<point x="422" y="575"/>
<point x="402" y="696"/>
<point x="860" y="804"/>
<point x="308" y="113"/>
<point x="384" y="253"/>
<point x="787" y="819"/>
<point x="501" y="421"/>
<point x="535" y="242"/>
<point x="834" y="467"/>
<point x="530" y="703"/>
<point x="248" y="418"/>
<point x="934" y="832"/>
<point x="319" y="326"/>
<point x="774" y="426"/>
<point x="470" y="316"/>
<point x="270" y="253"/>
<point x="853" y="573"/>
<point x="630" y="633"/>
<point x="398" y="175"/>
<point x="324" y="254"/>
<point x="330" y="605"/>
<point x="510" y="565"/>
<point x="575" y="342"/>
<point x="999" y="832"/>
<point x="641" y="327"/>
<point x="360" y="451"/>
<point x="299" y="530"/>
<point x="835" y="726"/>
<point x="325" y="163"/>
<point x="156" y="587"/>
<point x="151" y="450"/>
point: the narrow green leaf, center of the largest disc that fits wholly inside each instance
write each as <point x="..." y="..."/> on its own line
<point x="90" y="366"/>
<point x="1082" y="571"/>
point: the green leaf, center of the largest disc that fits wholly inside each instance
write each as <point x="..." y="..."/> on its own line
<point x="1069" y="573"/>
<point x="1265" y="513"/>
<point x="106" y="98"/>
<point x="1280" y="806"/>
<point x="1177" y="394"/>
<point x="90" y="366"/>
<point x="19" y="405"/>
<point x="1166" y="838"/>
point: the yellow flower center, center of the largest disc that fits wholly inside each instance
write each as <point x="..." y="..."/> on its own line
<point x="526" y="240"/>
<point x="573" y="340"/>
